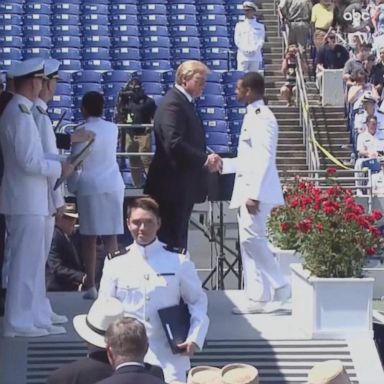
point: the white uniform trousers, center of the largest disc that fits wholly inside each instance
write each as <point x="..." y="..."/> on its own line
<point x="26" y="282"/>
<point x="261" y="271"/>
<point x="248" y="65"/>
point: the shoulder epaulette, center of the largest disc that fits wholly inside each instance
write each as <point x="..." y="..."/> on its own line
<point x="24" y="109"/>
<point x="257" y="111"/>
<point x="41" y="110"/>
<point x="120" y="252"/>
<point x="182" y="251"/>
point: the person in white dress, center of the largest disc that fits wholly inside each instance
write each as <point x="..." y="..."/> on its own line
<point x="256" y="191"/>
<point x="99" y="188"/>
<point x="148" y="276"/>
<point x="249" y="40"/>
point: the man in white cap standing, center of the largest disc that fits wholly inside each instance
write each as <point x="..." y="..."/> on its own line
<point x="24" y="186"/>
<point x="249" y="40"/>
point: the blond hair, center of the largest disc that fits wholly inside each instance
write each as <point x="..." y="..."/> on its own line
<point x="188" y="69"/>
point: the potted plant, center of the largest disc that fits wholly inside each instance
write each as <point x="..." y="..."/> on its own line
<point x="330" y="295"/>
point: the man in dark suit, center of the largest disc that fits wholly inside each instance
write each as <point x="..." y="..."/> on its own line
<point x="177" y="175"/>
<point x="127" y="344"/>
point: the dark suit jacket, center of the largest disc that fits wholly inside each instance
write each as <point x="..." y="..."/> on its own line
<point x="64" y="270"/>
<point x="132" y="375"/>
<point x="92" y="369"/>
<point x="176" y="172"/>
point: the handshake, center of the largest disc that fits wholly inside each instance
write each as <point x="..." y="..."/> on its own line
<point x="214" y="163"/>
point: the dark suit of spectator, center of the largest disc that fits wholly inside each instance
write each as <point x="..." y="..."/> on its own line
<point x="131" y="374"/>
<point x="377" y="74"/>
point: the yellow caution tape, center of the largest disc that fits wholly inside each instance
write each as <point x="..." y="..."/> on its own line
<point x="330" y="156"/>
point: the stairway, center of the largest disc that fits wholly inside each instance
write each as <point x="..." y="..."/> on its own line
<point x="291" y="149"/>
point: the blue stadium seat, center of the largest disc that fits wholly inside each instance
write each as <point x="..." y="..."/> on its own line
<point x="217" y="138"/>
<point x="79" y="89"/>
<point x="94" y="19"/>
<point x="65" y="19"/>
<point x="148" y="76"/>
<point x="38" y="8"/>
<point x="182" y="9"/>
<point x="123" y="8"/>
<point x="65" y="77"/>
<point x="63" y="89"/>
<point x="113" y="89"/>
<point x="182" y="19"/>
<point x="232" y="76"/>
<point x="37" y="42"/>
<point x="9" y="53"/>
<point x="5" y="64"/>
<point x="67" y="41"/>
<point x="169" y="77"/>
<point x="156" y="53"/>
<point x="108" y="115"/>
<point x="91" y="29"/>
<point x="236" y="113"/>
<point x="214" y="77"/>
<point x="77" y="114"/>
<point x="156" y="41"/>
<point x="101" y="9"/>
<point x="153" y="9"/>
<point x="70" y="65"/>
<point x="110" y="100"/>
<point x="96" y="41"/>
<point x="11" y="41"/>
<point x="212" y="19"/>
<point x="66" y="30"/>
<point x="125" y="30"/>
<point x="235" y="9"/>
<point x="186" y="54"/>
<point x="10" y="30"/>
<point x="152" y="30"/>
<point x="153" y="20"/>
<point x="222" y="2"/>
<point x="55" y="113"/>
<point x="97" y="65"/>
<point x="217" y="9"/>
<point x="125" y="42"/>
<point x="10" y="7"/>
<point x="213" y="30"/>
<point x="29" y="53"/>
<point x="233" y="102"/>
<point x="153" y="88"/>
<point x="223" y="149"/>
<point x="36" y="30"/>
<point x="233" y="19"/>
<point x="216" y="42"/>
<point x="213" y="89"/>
<point x="217" y="54"/>
<point x="66" y="7"/>
<point x="64" y="101"/>
<point x="127" y="65"/>
<point x="212" y="113"/>
<point x="95" y="53"/>
<point x="116" y="76"/>
<point x="159" y="65"/>
<point x="84" y="2"/>
<point x="125" y="54"/>
<point x="87" y="76"/>
<point x="186" y="41"/>
<point x="215" y="126"/>
<point x="208" y="100"/>
<point x="66" y="53"/>
<point x="124" y="19"/>
<point x="10" y="19"/>
<point x="217" y="65"/>
<point x="153" y="1"/>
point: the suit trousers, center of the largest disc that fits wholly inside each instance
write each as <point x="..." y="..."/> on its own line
<point x="261" y="271"/>
<point x="249" y="66"/>
<point x="174" y="223"/>
<point x="24" y="306"/>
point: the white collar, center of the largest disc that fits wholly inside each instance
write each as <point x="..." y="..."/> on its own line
<point x="184" y="92"/>
<point x="24" y="100"/>
<point x="149" y="249"/>
<point x="41" y="103"/>
<point x="130" y="364"/>
<point x="91" y="119"/>
<point x="255" y="104"/>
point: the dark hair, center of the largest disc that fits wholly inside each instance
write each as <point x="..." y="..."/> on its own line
<point x="127" y="339"/>
<point x="134" y="83"/>
<point x="254" y="81"/>
<point x="146" y="203"/>
<point x="93" y="103"/>
<point x="369" y="118"/>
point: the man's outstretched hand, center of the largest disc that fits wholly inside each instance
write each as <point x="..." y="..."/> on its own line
<point x="214" y="163"/>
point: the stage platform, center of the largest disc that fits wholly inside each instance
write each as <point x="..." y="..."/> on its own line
<point x="271" y="342"/>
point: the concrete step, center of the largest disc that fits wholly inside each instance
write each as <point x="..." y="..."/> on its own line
<point x="297" y="154"/>
<point x="290" y="161"/>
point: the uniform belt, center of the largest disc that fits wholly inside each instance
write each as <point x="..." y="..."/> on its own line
<point x="321" y="29"/>
<point x="298" y="21"/>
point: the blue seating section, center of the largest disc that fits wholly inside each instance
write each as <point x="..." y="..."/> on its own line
<point x="103" y="43"/>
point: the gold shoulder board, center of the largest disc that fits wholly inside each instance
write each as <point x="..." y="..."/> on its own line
<point x="24" y="109"/>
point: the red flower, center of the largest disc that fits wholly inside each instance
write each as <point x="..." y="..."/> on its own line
<point x="377" y="215"/>
<point x="284" y="227"/>
<point x="375" y="231"/>
<point x="331" y="170"/>
<point x="370" y="251"/>
<point x="319" y="227"/>
<point x="294" y="203"/>
<point x="305" y="225"/>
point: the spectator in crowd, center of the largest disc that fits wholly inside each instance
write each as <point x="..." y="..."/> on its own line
<point x="99" y="189"/>
<point x="135" y="107"/>
<point x="369" y="108"/>
<point x="64" y="269"/>
<point x="91" y="328"/>
<point x="177" y="177"/>
<point x="249" y="40"/>
<point x="127" y="345"/>
<point x="339" y="22"/>
<point x="149" y="276"/>
<point x="377" y="74"/>
<point x="353" y="65"/>
<point x="321" y="19"/>
<point x="330" y="56"/>
<point x="26" y="169"/>
<point x="368" y="145"/>
<point x="289" y="67"/>
<point x="297" y="13"/>
<point x="368" y="67"/>
<point x="378" y="17"/>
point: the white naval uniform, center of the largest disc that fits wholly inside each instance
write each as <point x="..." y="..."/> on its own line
<point x="249" y="40"/>
<point x="147" y="279"/>
<point x="24" y="201"/>
<point x="55" y="198"/>
<point x="257" y="179"/>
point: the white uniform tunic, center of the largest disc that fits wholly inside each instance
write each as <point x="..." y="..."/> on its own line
<point x="257" y="179"/>
<point x="24" y="201"/>
<point x="249" y="40"/>
<point x="147" y="279"/>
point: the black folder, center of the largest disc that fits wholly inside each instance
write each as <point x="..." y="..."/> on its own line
<point x="176" y="321"/>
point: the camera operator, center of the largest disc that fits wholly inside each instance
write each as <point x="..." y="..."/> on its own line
<point x="135" y="107"/>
